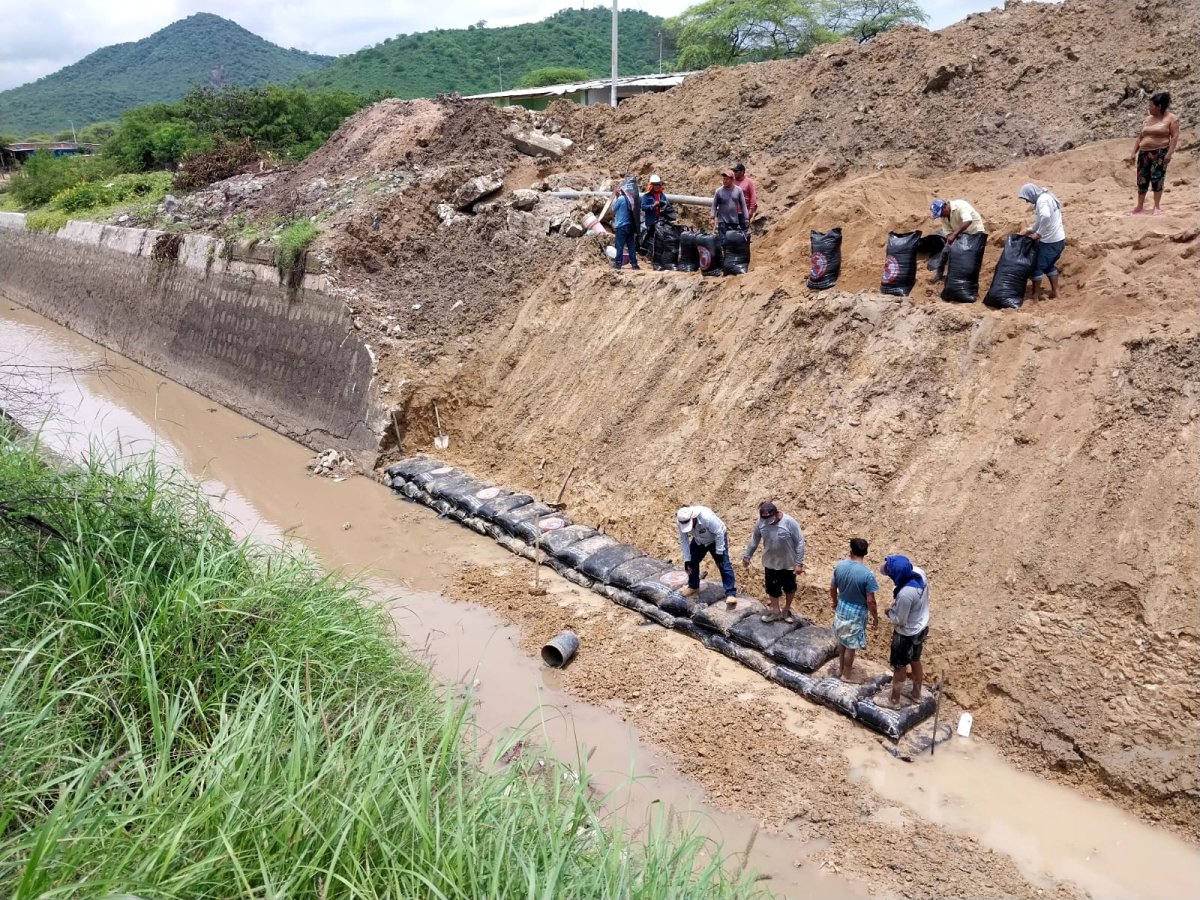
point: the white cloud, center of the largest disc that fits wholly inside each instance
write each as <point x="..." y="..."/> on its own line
<point x="37" y="40"/>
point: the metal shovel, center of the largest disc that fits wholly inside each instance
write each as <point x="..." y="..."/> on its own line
<point x="441" y="440"/>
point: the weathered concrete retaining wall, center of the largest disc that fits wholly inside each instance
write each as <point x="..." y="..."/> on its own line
<point x="287" y="358"/>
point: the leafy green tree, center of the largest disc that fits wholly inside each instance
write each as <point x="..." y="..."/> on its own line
<point x="864" y="19"/>
<point x="553" y="75"/>
<point x="98" y="133"/>
<point x="727" y="32"/>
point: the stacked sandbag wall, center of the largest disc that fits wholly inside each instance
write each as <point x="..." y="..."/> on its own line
<point x="786" y="653"/>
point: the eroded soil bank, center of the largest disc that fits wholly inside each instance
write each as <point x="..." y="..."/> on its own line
<point x="839" y="814"/>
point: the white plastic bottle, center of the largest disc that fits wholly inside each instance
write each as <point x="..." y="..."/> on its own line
<point x="964" y="724"/>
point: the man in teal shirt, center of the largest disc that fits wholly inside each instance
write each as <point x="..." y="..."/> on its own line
<point x="852" y="592"/>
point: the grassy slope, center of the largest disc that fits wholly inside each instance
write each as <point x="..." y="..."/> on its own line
<point x="465" y="60"/>
<point x="161" y="67"/>
<point x="184" y="716"/>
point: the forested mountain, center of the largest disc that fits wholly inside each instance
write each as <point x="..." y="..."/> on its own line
<point x="202" y="49"/>
<point x="478" y="59"/>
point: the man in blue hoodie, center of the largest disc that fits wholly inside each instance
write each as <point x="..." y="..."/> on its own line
<point x="909" y="614"/>
<point x="624" y="229"/>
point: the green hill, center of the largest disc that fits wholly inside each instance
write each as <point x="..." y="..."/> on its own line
<point x="465" y="59"/>
<point x="200" y="50"/>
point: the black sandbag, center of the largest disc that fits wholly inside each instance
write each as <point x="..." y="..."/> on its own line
<point x="510" y="520"/>
<point x="412" y="492"/>
<point x="462" y="492"/>
<point x="1013" y="270"/>
<point x="516" y="545"/>
<point x="492" y="510"/>
<point x="666" y="246"/>
<point x="806" y="648"/>
<point x="599" y="565"/>
<point x="754" y="632"/>
<point x="554" y="542"/>
<point x="637" y="569"/>
<point x="845" y="695"/>
<point x="412" y="466"/>
<point x="932" y="245"/>
<point x="428" y="479"/>
<point x="530" y="522"/>
<point x="736" y="259"/>
<point x="826" y="259"/>
<point x="708" y="253"/>
<point x="685" y="625"/>
<point x="575" y="554"/>
<point x="791" y="679"/>
<point x="900" y="264"/>
<point x="689" y="257"/>
<point x="744" y="655"/>
<point x="719" y="617"/>
<point x="569" y="572"/>
<point x="637" y="604"/>
<point x="656" y="587"/>
<point x="964" y="260"/>
<point x="894" y="722"/>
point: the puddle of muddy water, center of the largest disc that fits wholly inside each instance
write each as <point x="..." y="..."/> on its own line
<point x="258" y="480"/>
<point x="1050" y="831"/>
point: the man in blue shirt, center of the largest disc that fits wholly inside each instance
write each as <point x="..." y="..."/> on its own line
<point x="623" y="226"/>
<point x="852" y="592"/>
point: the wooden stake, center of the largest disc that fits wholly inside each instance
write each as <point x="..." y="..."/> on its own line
<point x="937" y="705"/>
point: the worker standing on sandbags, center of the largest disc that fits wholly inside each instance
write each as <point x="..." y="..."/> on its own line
<point x="783" y="557"/>
<point x="729" y="208"/>
<point x="749" y="191"/>
<point x="852" y="592"/>
<point x="957" y="217"/>
<point x="623" y="228"/>
<point x="909" y="614"/>
<point x="701" y="532"/>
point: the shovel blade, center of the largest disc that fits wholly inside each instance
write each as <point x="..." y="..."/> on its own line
<point x="442" y="441"/>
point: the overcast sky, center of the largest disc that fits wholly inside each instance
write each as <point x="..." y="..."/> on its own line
<point x="36" y="40"/>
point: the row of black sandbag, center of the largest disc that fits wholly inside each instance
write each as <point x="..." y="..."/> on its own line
<point x="680" y="250"/>
<point x="963" y="263"/>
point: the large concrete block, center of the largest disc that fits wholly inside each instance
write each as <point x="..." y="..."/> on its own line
<point x="82" y="232"/>
<point x="13" y="220"/>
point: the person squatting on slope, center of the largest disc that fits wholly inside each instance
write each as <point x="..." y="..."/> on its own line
<point x="1047" y="229"/>
<point x="701" y="533"/>
<point x="749" y="191"/>
<point x="909" y="614"/>
<point x="783" y="557"/>
<point x="1152" y="151"/>
<point x="957" y="217"/>
<point x="852" y="592"/>
<point x="623" y="228"/>
<point x="729" y="208"/>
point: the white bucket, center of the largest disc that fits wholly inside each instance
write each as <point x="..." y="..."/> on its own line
<point x="592" y="224"/>
<point x="965" y="721"/>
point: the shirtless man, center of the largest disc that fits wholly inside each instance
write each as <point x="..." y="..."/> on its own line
<point x="1153" y="149"/>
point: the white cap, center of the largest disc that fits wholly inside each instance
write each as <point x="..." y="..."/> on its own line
<point x="684" y="517"/>
<point x="654" y="179"/>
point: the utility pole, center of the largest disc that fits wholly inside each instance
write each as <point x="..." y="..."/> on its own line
<point x="614" y="55"/>
<point x="500" y="73"/>
<point x="660" y="53"/>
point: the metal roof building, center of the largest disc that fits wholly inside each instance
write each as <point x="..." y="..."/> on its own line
<point x="588" y="93"/>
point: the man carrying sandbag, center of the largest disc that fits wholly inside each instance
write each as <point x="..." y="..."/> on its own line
<point x="783" y="557"/>
<point x="957" y="217"/>
<point x="701" y="532"/>
<point x="729" y="208"/>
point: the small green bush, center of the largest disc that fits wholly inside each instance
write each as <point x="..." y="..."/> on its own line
<point x="292" y="242"/>
<point x="47" y="220"/>
<point x="87" y="195"/>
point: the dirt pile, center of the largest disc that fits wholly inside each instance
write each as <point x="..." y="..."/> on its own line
<point x="1026" y="80"/>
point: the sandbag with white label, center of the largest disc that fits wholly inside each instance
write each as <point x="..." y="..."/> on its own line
<point x="826" y="261"/>
<point x="900" y="264"/>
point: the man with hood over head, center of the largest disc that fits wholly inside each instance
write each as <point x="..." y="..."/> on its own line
<point x="909" y="614"/>
<point x="1047" y="229"/>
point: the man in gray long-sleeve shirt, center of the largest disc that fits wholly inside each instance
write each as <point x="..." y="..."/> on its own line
<point x="729" y="209"/>
<point x="783" y="557"/>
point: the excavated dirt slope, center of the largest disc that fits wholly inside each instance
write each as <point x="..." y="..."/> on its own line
<point x="1041" y="463"/>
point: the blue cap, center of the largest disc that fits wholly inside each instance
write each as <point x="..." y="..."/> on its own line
<point x="938" y="208"/>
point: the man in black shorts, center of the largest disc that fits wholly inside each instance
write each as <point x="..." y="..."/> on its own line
<point x="909" y="614"/>
<point x="783" y="557"/>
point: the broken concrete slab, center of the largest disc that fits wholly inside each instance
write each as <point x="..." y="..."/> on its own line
<point x="471" y="192"/>
<point x="448" y="214"/>
<point x="524" y="199"/>
<point x="532" y="142"/>
<point x="572" y="229"/>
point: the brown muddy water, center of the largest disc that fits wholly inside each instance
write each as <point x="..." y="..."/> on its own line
<point x="259" y="481"/>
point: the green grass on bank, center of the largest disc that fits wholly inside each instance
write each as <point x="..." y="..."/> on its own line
<point x="183" y="715"/>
